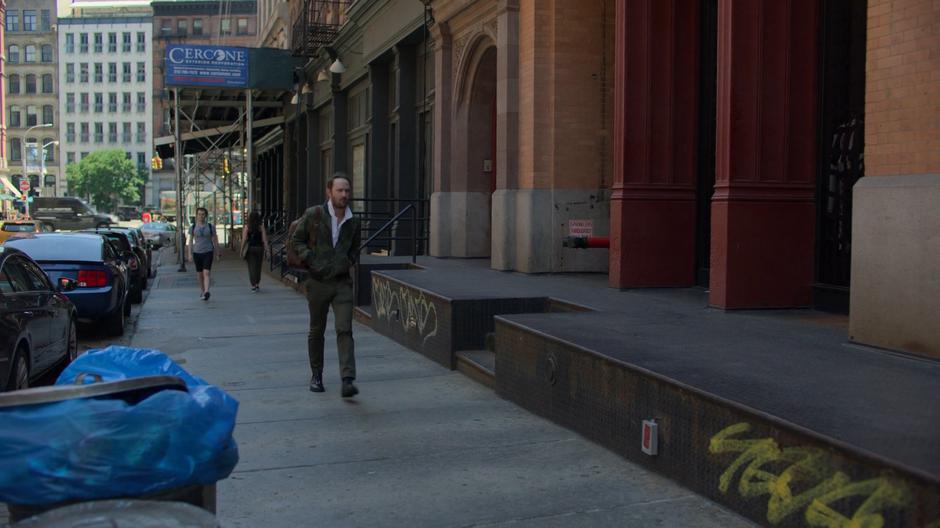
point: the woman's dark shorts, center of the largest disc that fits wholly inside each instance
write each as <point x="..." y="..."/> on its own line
<point x="203" y="261"/>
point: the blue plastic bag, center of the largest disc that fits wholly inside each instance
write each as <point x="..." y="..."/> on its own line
<point x="103" y="448"/>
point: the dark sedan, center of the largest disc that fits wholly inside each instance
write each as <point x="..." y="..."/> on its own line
<point x="37" y="321"/>
<point x="136" y="268"/>
<point x="90" y="260"/>
<point x="141" y="247"/>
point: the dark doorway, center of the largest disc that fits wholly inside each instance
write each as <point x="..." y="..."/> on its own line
<point x="708" y="80"/>
<point x="841" y="140"/>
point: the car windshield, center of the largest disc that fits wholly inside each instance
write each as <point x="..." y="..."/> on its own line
<point x="55" y="247"/>
<point x="155" y="226"/>
<point x="19" y="228"/>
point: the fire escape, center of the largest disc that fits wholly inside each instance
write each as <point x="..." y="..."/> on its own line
<point x="317" y="25"/>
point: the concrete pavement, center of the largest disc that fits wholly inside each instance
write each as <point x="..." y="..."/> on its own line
<point x="420" y="445"/>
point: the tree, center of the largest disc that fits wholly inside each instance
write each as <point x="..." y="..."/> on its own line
<point x="107" y="177"/>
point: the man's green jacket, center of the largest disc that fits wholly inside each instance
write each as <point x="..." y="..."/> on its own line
<point x="324" y="261"/>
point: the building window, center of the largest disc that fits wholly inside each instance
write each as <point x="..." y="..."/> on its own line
<point x="83" y="102"/>
<point x="15" y="117"/>
<point x="69" y="103"/>
<point x="141" y="101"/>
<point x="99" y="132"/>
<point x="70" y="73"/>
<point x="85" y="136"/>
<point x="32" y="116"/>
<point x="14" y="85"/>
<point x="141" y="72"/>
<point x="141" y="42"/>
<point x="141" y="132"/>
<point x="99" y="43"/>
<point x="70" y="42"/>
<point x="13" y="54"/>
<point x="126" y="42"/>
<point x="16" y="149"/>
<point x="112" y="132"/>
<point x="166" y="27"/>
<point x="32" y="150"/>
<point x="47" y="115"/>
<point x="112" y="72"/>
<point x="46" y="55"/>
<point x="83" y="42"/>
<point x="45" y="20"/>
<point x="127" y="72"/>
<point x="126" y="102"/>
<point x="47" y="87"/>
<point x="181" y="27"/>
<point x="30" y="55"/>
<point x="226" y="28"/>
<point x="99" y="72"/>
<point x="141" y="160"/>
<point x="112" y="102"/>
<point x="197" y="26"/>
<point x="83" y="72"/>
<point x="112" y="42"/>
<point x="48" y="149"/>
<point x="242" y="27"/>
<point x="99" y="102"/>
<point x="30" y="84"/>
<point x="126" y="135"/>
<point x="13" y="21"/>
<point x="29" y="20"/>
<point x="70" y="156"/>
<point x="70" y="132"/>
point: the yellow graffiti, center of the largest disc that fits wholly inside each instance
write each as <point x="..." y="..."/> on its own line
<point x="810" y="482"/>
<point x="409" y="307"/>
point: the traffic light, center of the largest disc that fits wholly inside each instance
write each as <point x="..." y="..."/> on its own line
<point x="226" y="168"/>
<point x="156" y="163"/>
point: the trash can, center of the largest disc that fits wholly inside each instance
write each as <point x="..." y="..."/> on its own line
<point x="123" y="514"/>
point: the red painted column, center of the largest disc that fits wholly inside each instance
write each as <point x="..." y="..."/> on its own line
<point x="655" y="121"/>
<point x="763" y="210"/>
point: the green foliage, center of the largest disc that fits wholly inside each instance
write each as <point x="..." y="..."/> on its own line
<point x="107" y="177"/>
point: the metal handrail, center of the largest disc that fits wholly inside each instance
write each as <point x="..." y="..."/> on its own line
<point x="414" y="231"/>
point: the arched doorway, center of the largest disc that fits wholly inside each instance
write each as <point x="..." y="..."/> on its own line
<point x="479" y="105"/>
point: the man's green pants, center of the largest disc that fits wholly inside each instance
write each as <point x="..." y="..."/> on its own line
<point x="339" y="294"/>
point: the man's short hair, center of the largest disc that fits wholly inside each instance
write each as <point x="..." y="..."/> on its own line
<point x="338" y="174"/>
<point x="203" y="209"/>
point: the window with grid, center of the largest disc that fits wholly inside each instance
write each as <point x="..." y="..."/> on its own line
<point x="30" y="84"/>
<point x="83" y="102"/>
<point x="48" y="115"/>
<point x="141" y="72"/>
<point x="46" y="55"/>
<point x="83" y="72"/>
<point x="226" y="28"/>
<point x="13" y="21"/>
<point x="197" y="26"/>
<point x="32" y="150"/>
<point x="99" y="72"/>
<point x="126" y="133"/>
<point x="125" y="41"/>
<point x="141" y="101"/>
<point x="141" y="132"/>
<point x="242" y="26"/>
<point x="112" y="102"/>
<point x="84" y="133"/>
<point x="70" y="42"/>
<point x="45" y="20"/>
<point x="112" y="72"/>
<point x="14" y="117"/>
<point x="14" y="85"/>
<point x="99" y="102"/>
<point x="70" y="73"/>
<point x="83" y="42"/>
<point x="181" y="27"/>
<point x="29" y="20"/>
<point x="112" y="133"/>
<point x="32" y="116"/>
<point x="99" y="132"/>
<point x="70" y="158"/>
<point x="13" y="54"/>
<point x="84" y="155"/>
<point x="30" y="54"/>
<point x="127" y="72"/>
<point x="16" y="149"/>
<point x="70" y="103"/>
<point x="70" y="132"/>
<point x="141" y="42"/>
<point x="141" y="160"/>
<point x="112" y="42"/>
<point x="99" y="43"/>
<point x="47" y="87"/>
<point x="126" y="102"/>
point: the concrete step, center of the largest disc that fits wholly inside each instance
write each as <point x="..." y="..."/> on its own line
<point x="478" y="365"/>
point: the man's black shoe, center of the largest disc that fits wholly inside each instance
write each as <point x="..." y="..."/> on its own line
<point x="316" y="382"/>
<point x="349" y="390"/>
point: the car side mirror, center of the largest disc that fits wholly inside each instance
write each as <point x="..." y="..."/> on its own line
<point x="66" y="284"/>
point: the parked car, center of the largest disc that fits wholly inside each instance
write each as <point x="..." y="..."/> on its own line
<point x="17" y="227"/>
<point x="139" y="242"/>
<point x="67" y="213"/>
<point x="128" y="212"/>
<point x="136" y="272"/>
<point x="37" y="321"/>
<point x="159" y="233"/>
<point x="91" y="260"/>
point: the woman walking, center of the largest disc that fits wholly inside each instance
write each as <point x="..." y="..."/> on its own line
<point x="203" y="243"/>
<point x="254" y="247"/>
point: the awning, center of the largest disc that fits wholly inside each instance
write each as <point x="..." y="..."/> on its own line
<point x="11" y="187"/>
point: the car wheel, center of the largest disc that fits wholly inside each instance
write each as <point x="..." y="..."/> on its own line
<point x="73" y="342"/>
<point x="114" y="324"/>
<point x="19" y="378"/>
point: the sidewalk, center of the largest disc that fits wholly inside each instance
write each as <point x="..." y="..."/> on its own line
<point x="421" y="444"/>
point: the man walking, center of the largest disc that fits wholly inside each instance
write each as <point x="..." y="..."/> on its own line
<point x="327" y="239"/>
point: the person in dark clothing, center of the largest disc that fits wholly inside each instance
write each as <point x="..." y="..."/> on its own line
<point x="327" y="240"/>
<point x="254" y="248"/>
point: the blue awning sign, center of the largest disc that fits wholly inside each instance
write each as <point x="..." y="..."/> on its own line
<point x="199" y="65"/>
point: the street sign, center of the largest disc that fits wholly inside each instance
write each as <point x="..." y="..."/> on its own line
<point x="581" y="228"/>
<point x="24" y="185"/>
